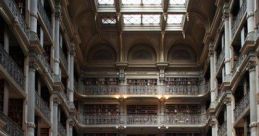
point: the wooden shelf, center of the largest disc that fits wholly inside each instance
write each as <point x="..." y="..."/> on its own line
<point x="183" y="108"/>
<point x="101" y="109"/>
<point x="181" y="81"/>
<point x="142" y="109"/>
<point x="142" y="81"/>
<point x="101" y="81"/>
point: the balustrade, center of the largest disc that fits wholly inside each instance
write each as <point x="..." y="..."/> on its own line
<point x="222" y="131"/>
<point x="44" y="16"/>
<point x="156" y="120"/>
<point x="185" y="119"/>
<point x="61" y="130"/>
<point x="238" y="18"/>
<point x="238" y="62"/>
<point x="11" y="67"/>
<point x="143" y="90"/>
<point x="185" y="89"/>
<point x="10" y="127"/>
<point x="46" y="65"/>
<point x="142" y="119"/>
<point x="63" y="59"/>
<point x="100" y="120"/>
<point x="241" y="106"/>
<point x="100" y="90"/>
<point x="42" y="106"/>
<point x="220" y="60"/>
<point x="12" y="7"/>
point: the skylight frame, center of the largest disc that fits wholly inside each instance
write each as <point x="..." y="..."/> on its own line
<point x="175" y="19"/>
<point x="178" y="2"/>
<point x="105" y="2"/>
<point x="132" y="19"/>
<point x="175" y="25"/>
<point x="108" y="21"/>
<point x="141" y="3"/>
<point x="142" y="19"/>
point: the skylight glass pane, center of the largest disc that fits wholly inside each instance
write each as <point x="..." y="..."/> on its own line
<point x="152" y="2"/>
<point x="175" y="19"/>
<point x="177" y="2"/>
<point x="132" y="19"/>
<point x="107" y="21"/>
<point x="105" y="2"/>
<point x="131" y="2"/>
<point x="150" y="19"/>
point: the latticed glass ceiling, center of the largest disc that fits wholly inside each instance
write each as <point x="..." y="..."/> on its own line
<point x="168" y="15"/>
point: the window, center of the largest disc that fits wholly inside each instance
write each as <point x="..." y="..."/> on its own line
<point x="141" y="2"/>
<point x="132" y="19"/>
<point x="177" y="2"/>
<point x="152" y="2"/>
<point x="107" y="21"/>
<point x="175" y="19"/>
<point x="105" y="2"/>
<point x="131" y="2"/>
<point x="150" y="19"/>
<point x="147" y="19"/>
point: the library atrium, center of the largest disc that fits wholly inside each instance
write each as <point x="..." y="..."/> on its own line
<point x="129" y="67"/>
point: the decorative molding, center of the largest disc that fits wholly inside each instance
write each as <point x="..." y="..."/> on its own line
<point x="211" y="49"/>
<point x="253" y="124"/>
<point x="31" y="124"/>
<point x="58" y="9"/>
<point x="226" y="11"/>
<point x="213" y="121"/>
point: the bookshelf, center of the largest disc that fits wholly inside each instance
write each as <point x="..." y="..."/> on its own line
<point x="183" y="108"/>
<point x="181" y="81"/>
<point x="101" y="81"/>
<point x="142" y="81"/>
<point x="101" y="109"/>
<point x="142" y="109"/>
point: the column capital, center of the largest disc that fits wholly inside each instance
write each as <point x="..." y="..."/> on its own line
<point x="211" y="49"/>
<point x="226" y="11"/>
<point x="57" y="8"/>
<point x="70" y="121"/>
<point x="253" y="124"/>
<point x="213" y="121"/>
<point x="55" y="98"/>
<point x="227" y="101"/>
<point x="251" y="66"/>
<point x="31" y="124"/>
<point x="72" y="49"/>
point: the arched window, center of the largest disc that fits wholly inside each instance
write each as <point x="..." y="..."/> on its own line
<point x="141" y="53"/>
<point x="181" y="54"/>
<point x="101" y="54"/>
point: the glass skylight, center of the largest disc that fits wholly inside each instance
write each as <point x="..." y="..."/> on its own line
<point x="175" y="19"/>
<point x="150" y="19"/>
<point x="152" y="2"/>
<point x="108" y="21"/>
<point x="177" y="2"/>
<point x="132" y="19"/>
<point x="105" y="2"/>
<point x="131" y="2"/>
<point x="138" y="19"/>
<point x="139" y="2"/>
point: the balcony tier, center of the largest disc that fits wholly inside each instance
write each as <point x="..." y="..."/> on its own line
<point x="140" y="91"/>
